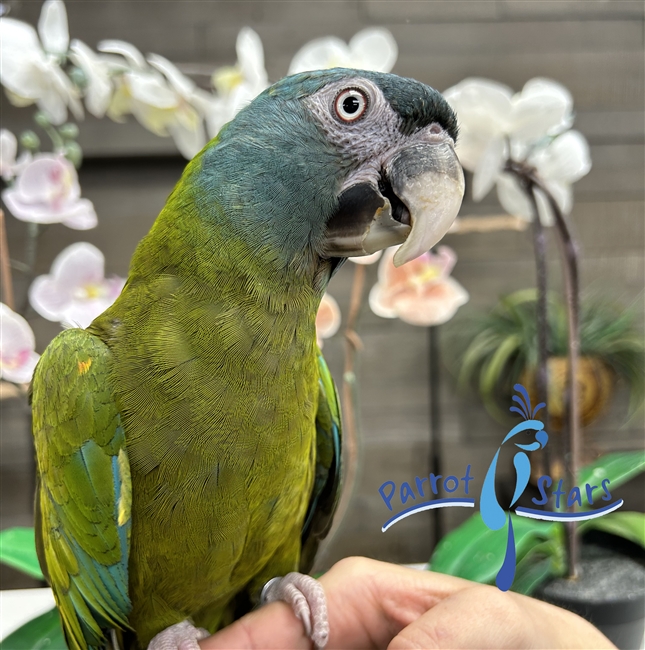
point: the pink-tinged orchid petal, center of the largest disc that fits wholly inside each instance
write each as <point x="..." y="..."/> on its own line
<point x="76" y="291"/>
<point x="48" y="179"/>
<point x="437" y="303"/>
<point x="419" y="292"/>
<point x="47" y="191"/>
<point x="48" y="298"/>
<point x="81" y="314"/>
<point x="327" y="319"/>
<point x="52" y="27"/>
<point x="82" y="216"/>
<point x="17" y="343"/>
<point x="366" y="259"/>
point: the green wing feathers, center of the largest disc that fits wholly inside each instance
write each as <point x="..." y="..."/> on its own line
<point x="84" y="493"/>
<point x="327" y="478"/>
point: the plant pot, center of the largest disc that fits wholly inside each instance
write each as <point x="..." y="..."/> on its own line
<point x="595" y="388"/>
<point x="609" y="593"/>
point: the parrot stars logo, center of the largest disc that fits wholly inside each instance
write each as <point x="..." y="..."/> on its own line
<point x="494" y="516"/>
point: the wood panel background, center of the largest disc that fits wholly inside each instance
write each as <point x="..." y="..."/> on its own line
<point x="595" y="48"/>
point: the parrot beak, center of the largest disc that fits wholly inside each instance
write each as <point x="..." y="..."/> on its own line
<point x="417" y="200"/>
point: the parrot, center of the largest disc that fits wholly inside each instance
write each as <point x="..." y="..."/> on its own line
<point x="188" y="442"/>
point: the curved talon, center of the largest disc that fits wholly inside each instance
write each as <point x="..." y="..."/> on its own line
<point x="307" y="598"/>
<point x="181" y="636"/>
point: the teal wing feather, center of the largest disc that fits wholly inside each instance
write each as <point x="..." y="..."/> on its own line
<point x="327" y="479"/>
<point x="84" y="489"/>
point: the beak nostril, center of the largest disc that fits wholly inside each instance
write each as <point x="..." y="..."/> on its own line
<point x="400" y="211"/>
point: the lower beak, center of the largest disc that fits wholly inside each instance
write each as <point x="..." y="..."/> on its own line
<point x="415" y="204"/>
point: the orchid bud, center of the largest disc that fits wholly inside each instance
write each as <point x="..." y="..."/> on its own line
<point x="69" y="131"/>
<point x="30" y="141"/>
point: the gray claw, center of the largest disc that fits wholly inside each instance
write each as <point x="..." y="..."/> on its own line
<point x="181" y="636"/>
<point x="307" y="598"/>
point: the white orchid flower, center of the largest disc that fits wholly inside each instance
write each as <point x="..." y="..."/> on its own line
<point x="47" y="191"/>
<point x="560" y="164"/>
<point x="98" y="91"/>
<point x="237" y="85"/>
<point x="187" y="129"/>
<point x="496" y="124"/>
<point x="31" y="71"/>
<point x="9" y="165"/>
<point x="76" y="291"/>
<point x="17" y="344"/>
<point x="160" y="97"/>
<point x="373" y="48"/>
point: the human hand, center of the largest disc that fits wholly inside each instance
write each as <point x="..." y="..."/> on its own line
<point x="379" y="605"/>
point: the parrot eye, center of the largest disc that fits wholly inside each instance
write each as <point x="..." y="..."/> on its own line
<point x="351" y="104"/>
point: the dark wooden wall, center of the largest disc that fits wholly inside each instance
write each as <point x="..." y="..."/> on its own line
<point x="595" y="48"/>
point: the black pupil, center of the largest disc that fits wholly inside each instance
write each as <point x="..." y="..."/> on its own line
<point x="351" y="104"/>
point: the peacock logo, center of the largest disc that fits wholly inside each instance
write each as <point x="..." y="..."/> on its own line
<point x="495" y="517"/>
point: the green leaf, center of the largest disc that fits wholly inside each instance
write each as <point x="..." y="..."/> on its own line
<point x="457" y="545"/>
<point x="542" y="560"/>
<point x="629" y="525"/>
<point x="618" y="467"/>
<point x="475" y="552"/>
<point x="43" y="632"/>
<point x="532" y="574"/>
<point x="18" y="550"/>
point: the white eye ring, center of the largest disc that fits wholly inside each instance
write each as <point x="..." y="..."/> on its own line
<point x="351" y="104"/>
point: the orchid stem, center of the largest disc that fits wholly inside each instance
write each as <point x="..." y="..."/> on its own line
<point x="435" y="423"/>
<point x="5" y="265"/>
<point x="569" y="252"/>
<point x="539" y="246"/>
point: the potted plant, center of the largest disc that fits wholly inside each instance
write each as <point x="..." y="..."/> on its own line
<point x="501" y="349"/>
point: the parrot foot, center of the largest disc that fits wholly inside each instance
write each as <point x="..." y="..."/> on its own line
<point x="182" y="636"/>
<point x="307" y="598"/>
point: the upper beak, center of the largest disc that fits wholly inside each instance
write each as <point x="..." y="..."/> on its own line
<point x="415" y="204"/>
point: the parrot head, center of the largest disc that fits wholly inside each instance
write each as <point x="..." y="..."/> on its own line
<point x="336" y="163"/>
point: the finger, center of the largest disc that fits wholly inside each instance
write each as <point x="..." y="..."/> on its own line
<point x="370" y="602"/>
<point x="272" y="627"/>
<point x="485" y="617"/>
<point x="471" y="618"/>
